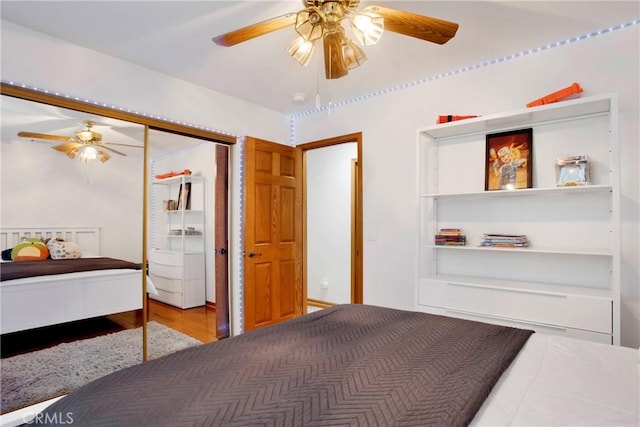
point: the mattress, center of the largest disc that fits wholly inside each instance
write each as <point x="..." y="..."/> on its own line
<point x="558" y="381"/>
<point x="23" y="269"/>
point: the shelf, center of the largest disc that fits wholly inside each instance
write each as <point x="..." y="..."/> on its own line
<point x="521" y="192"/>
<point x="550" y="251"/>
<point x="572" y="279"/>
<point x="175" y="252"/>
<point x="519" y="286"/>
<point x="179" y="211"/>
<point x="522" y="118"/>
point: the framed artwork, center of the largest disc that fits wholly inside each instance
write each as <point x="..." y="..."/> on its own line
<point x="508" y="160"/>
<point x="184" y="197"/>
<point x="572" y="171"/>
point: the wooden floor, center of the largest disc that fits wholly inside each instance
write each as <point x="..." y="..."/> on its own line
<point x="199" y="322"/>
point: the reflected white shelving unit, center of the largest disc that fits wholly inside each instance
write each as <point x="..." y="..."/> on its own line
<point x="568" y="281"/>
<point x="176" y="260"/>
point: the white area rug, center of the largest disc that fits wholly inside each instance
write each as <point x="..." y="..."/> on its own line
<point x="30" y="378"/>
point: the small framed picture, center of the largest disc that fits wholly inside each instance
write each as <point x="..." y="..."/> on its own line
<point x="572" y="171"/>
<point x="508" y="160"/>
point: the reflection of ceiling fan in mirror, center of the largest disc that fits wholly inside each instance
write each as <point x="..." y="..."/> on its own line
<point x="322" y="20"/>
<point x="87" y="144"/>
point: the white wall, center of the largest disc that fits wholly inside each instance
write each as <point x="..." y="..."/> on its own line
<point x="328" y="193"/>
<point x="608" y="63"/>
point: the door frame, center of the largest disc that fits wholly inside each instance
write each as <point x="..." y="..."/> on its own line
<point x="221" y="241"/>
<point x="357" y="288"/>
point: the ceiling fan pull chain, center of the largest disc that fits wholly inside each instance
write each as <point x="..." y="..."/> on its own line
<point x="318" y="69"/>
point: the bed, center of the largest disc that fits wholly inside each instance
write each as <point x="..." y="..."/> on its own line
<point x="360" y="365"/>
<point x="49" y="292"/>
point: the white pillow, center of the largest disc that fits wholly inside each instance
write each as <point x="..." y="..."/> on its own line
<point x="61" y="249"/>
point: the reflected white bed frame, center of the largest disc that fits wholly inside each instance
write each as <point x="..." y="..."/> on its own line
<point x="48" y="300"/>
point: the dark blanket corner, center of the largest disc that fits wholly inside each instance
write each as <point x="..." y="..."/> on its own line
<point x="22" y="269"/>
<point x="349" y="365"/>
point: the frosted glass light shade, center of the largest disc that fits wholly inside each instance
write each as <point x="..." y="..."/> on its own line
<point x="368" y="28"/>
<point x="309" y="23"/>
<point x="72" y="153"/>
<point x="88" y="153"/>
<point x="301" y="50"/>
<point x="353" y="54"/>
<point x="103" y="156"/>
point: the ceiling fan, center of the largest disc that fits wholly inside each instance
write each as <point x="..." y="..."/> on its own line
<point x="322" y="19"/>
<point x="86" y="143"/>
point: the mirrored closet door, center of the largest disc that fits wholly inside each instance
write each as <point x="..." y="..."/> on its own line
<point x="78" y="176"/>
<point x="72" y="184"/>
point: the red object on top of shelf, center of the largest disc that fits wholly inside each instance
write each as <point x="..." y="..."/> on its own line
<point x="450" y="118"/>
<point x="172" y="173"/>
<point x="557" y="95"/>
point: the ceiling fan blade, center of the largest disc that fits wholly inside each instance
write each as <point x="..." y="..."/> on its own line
<point x="414" y="25"/>
<point x="334" y="64"/>
<point x="67" y="146"/>
<point x="255" y="30"/>
<point x="110" y="149"/>
<point x="43" y="136"/>
<point x="122" y="145"/>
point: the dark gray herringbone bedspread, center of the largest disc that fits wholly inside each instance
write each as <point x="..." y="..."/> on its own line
<point x="351" y="365"/>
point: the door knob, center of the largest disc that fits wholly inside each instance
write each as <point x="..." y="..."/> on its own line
<point x="254" y="254"/>
<point x="221" y="251"/>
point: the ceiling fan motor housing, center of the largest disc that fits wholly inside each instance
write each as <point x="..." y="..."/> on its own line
<point x="347" y="5"/>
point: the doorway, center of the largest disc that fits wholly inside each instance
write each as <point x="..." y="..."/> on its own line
<point x="332" y="263"/>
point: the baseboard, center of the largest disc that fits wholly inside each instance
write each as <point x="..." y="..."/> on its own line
<point x="319" y="304"/>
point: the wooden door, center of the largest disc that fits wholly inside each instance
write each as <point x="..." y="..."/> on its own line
<point x="221" y="261"/>
<point x="273" y="289"/>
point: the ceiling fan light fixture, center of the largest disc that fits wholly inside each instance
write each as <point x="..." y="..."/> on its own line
<point x="309" y="23"/>
<point x="368" y="28"/>
<point x="352" y="53"/>
<point x="103" y="156"/>
<point x="88" y="153"/>
<point x="301" y="50"/>
<point x="72" y="153"/>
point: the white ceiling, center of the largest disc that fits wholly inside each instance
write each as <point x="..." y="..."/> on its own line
<point x="174" y="38"/>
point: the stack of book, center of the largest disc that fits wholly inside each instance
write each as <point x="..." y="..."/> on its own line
<point x="451" y="236"/>
<point x="505" y="240"/>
